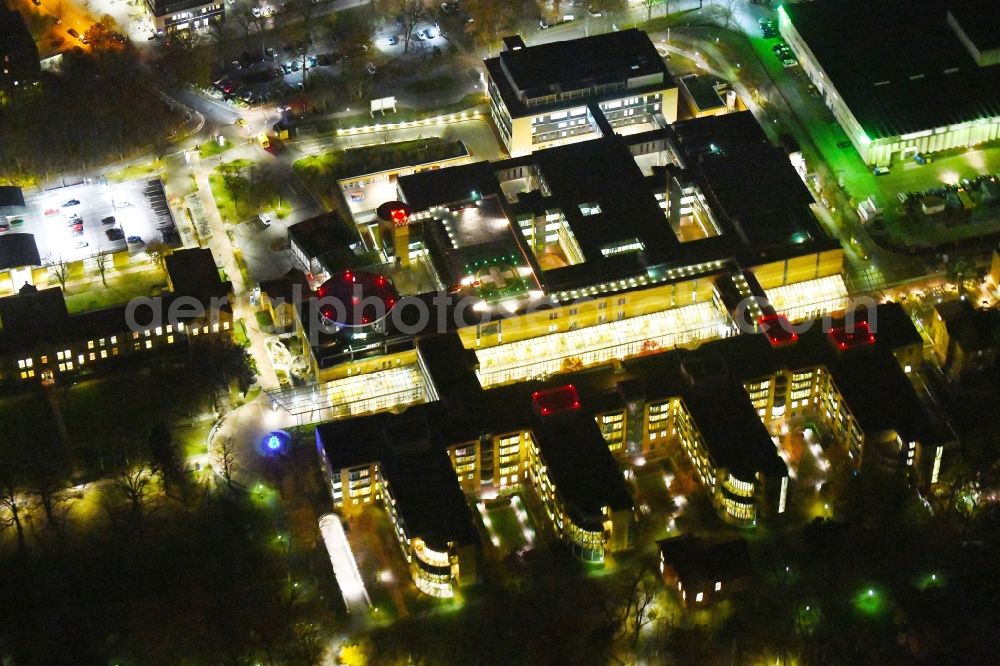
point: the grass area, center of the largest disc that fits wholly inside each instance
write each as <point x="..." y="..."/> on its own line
<point x="135" y="171"/>
<point x="240" y="334"/>
<point x="472" y="102"/>
<point x="120" y="289"/>
<point x="320" y="172"/>
<point x="240" y="192"/>
<point x="212" y="148"/>
<point x="433" y="84"/>
<point x="264" y="320"/>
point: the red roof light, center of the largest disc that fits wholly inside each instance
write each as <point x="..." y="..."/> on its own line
<point x="859" y="336"/>
<point x="777" y="329"/>
<point x="560" y="399"/>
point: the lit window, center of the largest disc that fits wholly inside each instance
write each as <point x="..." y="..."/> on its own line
<point x="159" y="330"/>
<point x="92" y="356"/>
<point x="718" y="585"/>
<point x="90" y="344"/>
<point x="114" y="339"/>
<point x="44" y="360"/>
<point x="907" y="369"/>
<point x="225" y="325"/>
<point x="170" y="339"/>
<point x="149" y="344"/>
<point x="104" y="353"/>
<point x="80" y="359"/>
<point x="215" y="327"/>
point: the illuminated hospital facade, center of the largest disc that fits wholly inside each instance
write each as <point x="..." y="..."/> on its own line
<point x="652" y="262"/>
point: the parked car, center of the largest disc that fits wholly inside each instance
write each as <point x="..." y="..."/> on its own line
<point x="134" y="240"/>
<point x="393" y="40"/>
<point x="4" y="226"/>
<point x="82" y="244"/>
<point x="114" y="234"/>
<point x="880" y="170"/>
<point x="110" y="219"/>
<point x="70" y="202"/>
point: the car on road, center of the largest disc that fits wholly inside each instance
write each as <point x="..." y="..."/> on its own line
<point x="110" y="219"/>
<point x="115" y="234"/>
<point x="543" y="24"/>
<point x="70" y="202"/>
<point x="135" y="240"/>
<point x="265" y="219"/>
<point x="73" y="33"/>
<point x="241" y="122"/>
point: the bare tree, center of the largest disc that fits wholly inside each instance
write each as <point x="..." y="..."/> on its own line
<point x="101" y="259"/>
<point x="12" y="499"/>
<point x="726" y="10"/>
<point x="225" y="459"/>
<point x="409" y="12"/>
<point x="59" y="269"/>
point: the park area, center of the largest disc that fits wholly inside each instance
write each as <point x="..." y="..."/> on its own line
<point x="242" y="190"/>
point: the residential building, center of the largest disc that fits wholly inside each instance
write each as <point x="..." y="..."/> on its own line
<point x="705" y="570"/>
<point x="573" y="90"/>
<point x="19" y="66"/>
<point x="965" y="338"/>
<point x="41" y="341"/>
<point x="902" y="76"/>
<point x="172" y="15"/>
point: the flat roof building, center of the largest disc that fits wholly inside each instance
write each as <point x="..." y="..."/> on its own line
<point x="40" y="340"/>
<point x="19" y="66"/>
<point x="560" y="92"/>
<point x="902" y="76"/>
<point x="173" y="15"/>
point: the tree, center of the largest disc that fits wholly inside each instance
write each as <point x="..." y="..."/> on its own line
<point x="164" y="458"/>
<point x="157" y="251"/>
<point x="726" y="10"/>
<point x="490" y="18"/>
<point x="12" y="486"/>
<point x="225" y="459"/>
<point x="47" y="475"/>
<point x="409" y="12"/>
<point x="59" y="269"/>
<point x="102" y="259"/>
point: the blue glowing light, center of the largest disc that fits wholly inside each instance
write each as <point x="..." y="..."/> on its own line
<point x="273" y="443"/>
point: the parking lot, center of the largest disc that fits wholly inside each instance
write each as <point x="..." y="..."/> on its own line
<point x="71" y="231"/>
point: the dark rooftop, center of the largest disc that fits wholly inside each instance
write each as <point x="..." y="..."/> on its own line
<point x="583" y="470"/>
<point x="971" y="328"/>
<point x="978" y="19"/>
<point x="733" y="431"/>
<point x="193" y="273"/>
<point x="897" y="64"/>
<point x="699" y="561"/>
<point x="323" y="234"/>
<point x="17" y="250"/>
<point x="411" y="450"/>
<point x="574" y="64"/>
<point x="12" y="196"/>
<point x="749" y="182"/>
<point x="702" y="89"/>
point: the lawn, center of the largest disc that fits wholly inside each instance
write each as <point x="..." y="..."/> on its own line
<point x="433" y="84"/>
<point x="135" y="171"/>
<point x="241" y="192"/>
<point x="321" y="172"/>
<point x="120" y="289"/>
<point x="212" y="148"/>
